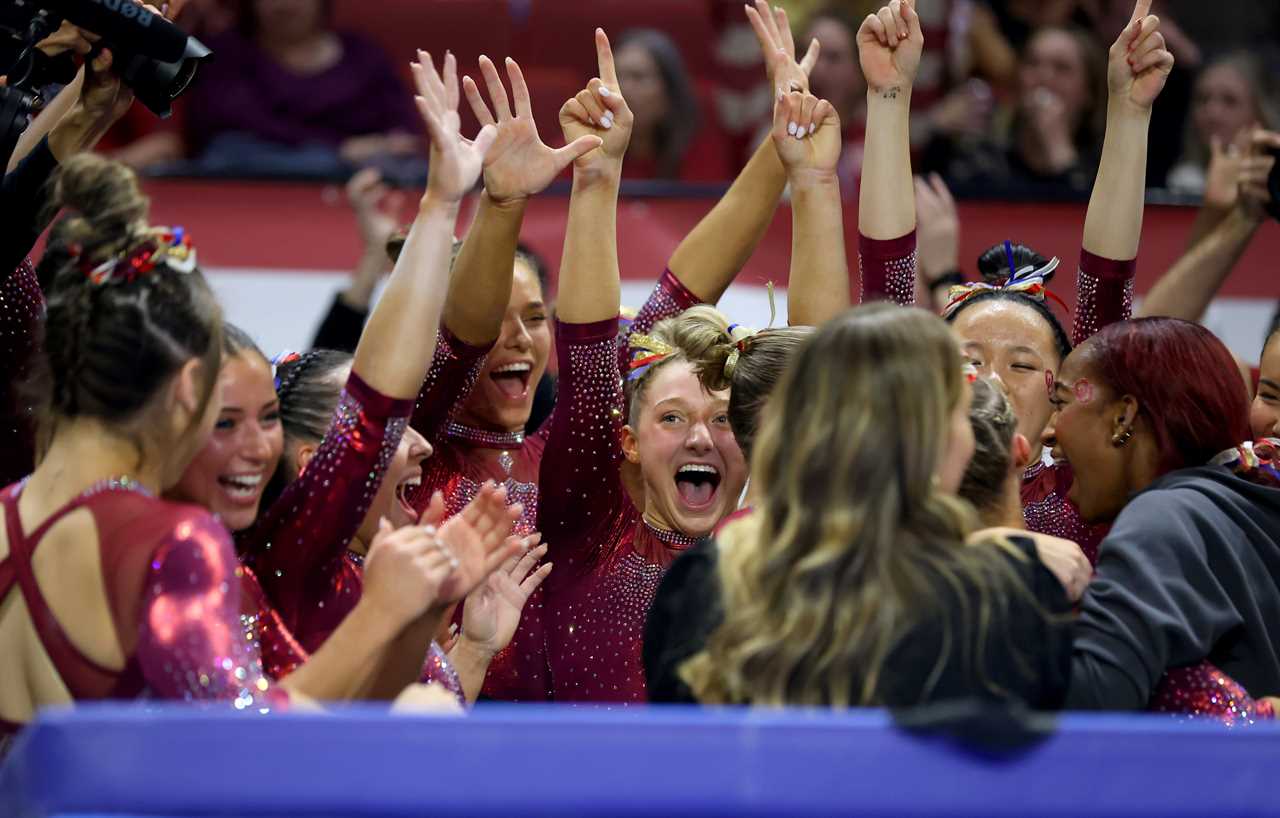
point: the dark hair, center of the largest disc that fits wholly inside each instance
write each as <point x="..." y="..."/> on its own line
<point x="1088" y="135"/>
<point x="236" y="342"/>
<point x="993" y="265"/>
<point x="1186" y="382"/>
<point x="837" y="13"/>
<point x="109" y="347"/>
<point x="675" y="131"/>
<point x="535" y="262"/>
<point x="247" y="17"/>
<point x="994" y="425"/>
<point x="308" y="392"/>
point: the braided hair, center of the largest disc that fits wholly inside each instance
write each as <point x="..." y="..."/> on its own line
<point x="993" y="265"/>
<point x="994" y="425"/>
<point x="308" y="387"/>
<point x="111" y="344"/>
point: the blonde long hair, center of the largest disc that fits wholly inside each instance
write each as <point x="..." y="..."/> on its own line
<point x="853" y="541"/>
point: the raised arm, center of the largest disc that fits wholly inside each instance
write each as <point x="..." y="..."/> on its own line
<point x="589" y="280"/>
<point x="297" y="545"/>
<point x="519" y="165"/>
<point x="715" y="251"/>
<point x="376" y="208"/>
<point x="1186" y="289"/>
<point x="583" y="441"/>
<point x="396" y="347"/>
<point x="889" y="46"/>
<point x="1137" y="67"/>
<point x="806" y="132"/>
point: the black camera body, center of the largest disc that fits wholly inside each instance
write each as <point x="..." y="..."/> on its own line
<point x="152" y="56"/>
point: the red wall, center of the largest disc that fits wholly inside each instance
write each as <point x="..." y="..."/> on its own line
<point x="309" y="227"/>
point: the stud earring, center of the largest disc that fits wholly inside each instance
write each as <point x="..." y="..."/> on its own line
<point x="1121" y="438"/>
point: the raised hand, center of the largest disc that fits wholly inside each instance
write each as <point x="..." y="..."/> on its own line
<point x="773" y="30"/>
<point x="405" y="571"/>
<point x="806" y="132"/>
<point x="477" y="539"/>
<point x="937" y="228"/>
<point x="1256" y="169"/>
<point x="492" y="612"/>
<point x="455" y="162"/>
<point x="599" y="110"/>
<point x="104" y="96"/>
<point x="519" y="164"/>
<point x="1139" y="63"/>
<point x="376" y="207"/>
<point x="889" y="46"/>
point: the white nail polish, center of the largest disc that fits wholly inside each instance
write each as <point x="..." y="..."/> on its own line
<point x="605" y="92"/>
<point x="607" y="122"/>
<point x="791" y="128"/>
<point x="813" y="126"/>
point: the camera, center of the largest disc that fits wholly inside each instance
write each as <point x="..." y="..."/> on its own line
<point x="152" y="56"/>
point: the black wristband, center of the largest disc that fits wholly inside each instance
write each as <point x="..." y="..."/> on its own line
<point x="950" y="279"/>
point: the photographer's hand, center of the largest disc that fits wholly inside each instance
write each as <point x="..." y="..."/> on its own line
<point x="103" y="100"/>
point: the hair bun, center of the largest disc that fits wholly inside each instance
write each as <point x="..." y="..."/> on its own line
<point x="993" y="264"/>
<point x="107" y="206"/>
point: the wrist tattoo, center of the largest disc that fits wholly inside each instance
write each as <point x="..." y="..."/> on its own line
<point x="890" y="93"/>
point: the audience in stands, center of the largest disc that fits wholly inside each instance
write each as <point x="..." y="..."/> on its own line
<point x="287" y="94"/>
<point x="673" y="137"/>
<point x="1048" y="139"/>
<point x="1232" y="95"/>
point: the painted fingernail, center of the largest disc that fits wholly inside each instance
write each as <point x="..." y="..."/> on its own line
<point x="607" y="121"/>
<point x="813" y="126"/>
<point x="791" y="128"/>
<point x="605" y="92"/>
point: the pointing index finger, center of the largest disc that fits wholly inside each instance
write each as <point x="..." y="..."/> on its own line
<point x="604" y="54"/>
<point x="1140" y="9"/>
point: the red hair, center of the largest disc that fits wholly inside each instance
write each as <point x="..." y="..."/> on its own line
<point x="1185" y="381"/>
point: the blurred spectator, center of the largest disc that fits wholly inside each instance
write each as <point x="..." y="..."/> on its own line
<point x="671" y="138"/>
<point x="1222" y="26"/>
<point x="287" y="94"/>
<point x="1232" y="94"/>
<point x="1048" y="141"/>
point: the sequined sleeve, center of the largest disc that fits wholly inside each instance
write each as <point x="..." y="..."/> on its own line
<point x="1104" y="294"/>
<point x="888" y="268"/>
<point x="669" y="298"/>
<point x="296" y="547"/>
<point x="21" y="313"/>
<point x="580" y="488"/>
<point x="190" y="642"/>
<point x="452" y="376"/>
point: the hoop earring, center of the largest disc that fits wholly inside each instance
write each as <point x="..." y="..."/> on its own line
<point x="1118" y="440"/>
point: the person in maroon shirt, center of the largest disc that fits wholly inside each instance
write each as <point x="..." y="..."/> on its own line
<point x="1010" y="334"/>
<point x="340" y="478"/>
<point x="288" y="91"/>
<point x="673" y="137"/>
<point x="141" y="595"/>
<point x="465" y="409"/>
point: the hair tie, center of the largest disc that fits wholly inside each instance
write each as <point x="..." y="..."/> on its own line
<point x="167" y="247"/>
<point x="286" y="357"/>
<point x="739" y="346"/>
<point x="1257" y="461"/>
<point x="648" y="351"/>
<point x="1029" y="281"/>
